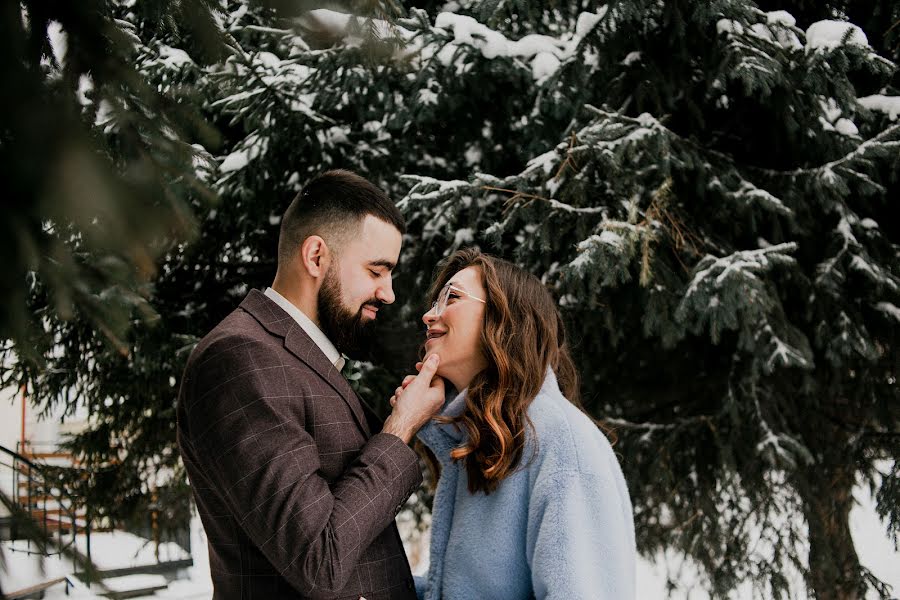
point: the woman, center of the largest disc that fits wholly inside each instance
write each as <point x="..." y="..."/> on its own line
<point x="530" y="501"/>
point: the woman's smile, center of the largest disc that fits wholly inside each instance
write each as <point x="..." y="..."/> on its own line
<point x="432" y="334"/>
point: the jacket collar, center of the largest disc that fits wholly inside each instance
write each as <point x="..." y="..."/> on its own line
<point x="277" y="322"/>
<point x="442" y="438"/>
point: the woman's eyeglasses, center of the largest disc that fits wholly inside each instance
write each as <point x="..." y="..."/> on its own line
<point x="439" y="305"/>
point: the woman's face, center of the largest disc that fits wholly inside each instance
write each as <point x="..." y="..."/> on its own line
<point x="455" y="334"/>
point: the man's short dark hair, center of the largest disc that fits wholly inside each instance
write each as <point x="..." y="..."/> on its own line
<point x="332" y="205"/>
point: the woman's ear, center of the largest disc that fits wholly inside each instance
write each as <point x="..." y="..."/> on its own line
<point x="315" y="256"/>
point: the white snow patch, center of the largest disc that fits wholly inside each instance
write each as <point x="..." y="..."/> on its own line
<point x="174" y="57"/>
<point x="829" y="35"/>
<point x="587" y="21"/>
<point x="889" y="309"/>
<point x="329" y="19"/>
<point x="85" y="86"/>
<point x="845" y="126"/>
<point x="545" y="162"/>
<point x="59" y="41"/>
<point x="611" y="238"/>
<point x="463" y="236"/>
<point x="544" y="51"/>
<point x="781" y="17"/>
<point x="544" y="65"/>
<point x="337" y="23"/>
<point x="235" y="161"/>
<point x="761" y="30"/>
<point x="473" y="155"/>
<point x="830" y="109"/>
<point x="869" y="223"/>
<point x="268" y="59"/>
<point x="890" y="105"/>
<point x="729" y="26"/>
<point x="427" y="97"/>
<point x="631" y="58"/>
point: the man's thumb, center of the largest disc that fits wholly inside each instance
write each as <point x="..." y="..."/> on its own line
<point x="430" y="366"/>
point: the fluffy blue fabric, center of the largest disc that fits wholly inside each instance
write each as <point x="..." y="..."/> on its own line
<point x="560" y="527"/>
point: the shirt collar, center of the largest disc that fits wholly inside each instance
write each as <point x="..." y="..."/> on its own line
<point x="321" y="340"/>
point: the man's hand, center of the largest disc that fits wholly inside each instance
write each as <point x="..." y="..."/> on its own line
<point x="416" y="401"/>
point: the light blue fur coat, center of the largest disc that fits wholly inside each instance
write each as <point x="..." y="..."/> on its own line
<point x="560" y="527"/>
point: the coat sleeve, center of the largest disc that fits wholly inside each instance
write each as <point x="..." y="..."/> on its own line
<point x="248" y="436"/>
<point x="580" y="542"/>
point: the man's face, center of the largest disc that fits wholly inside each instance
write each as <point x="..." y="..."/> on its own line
<point x="357" y="284"/>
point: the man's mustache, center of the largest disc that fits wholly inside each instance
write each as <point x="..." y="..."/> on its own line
<point x="373" y="303"/>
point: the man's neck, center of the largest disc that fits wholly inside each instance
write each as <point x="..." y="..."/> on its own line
<point x="298" y="295"/>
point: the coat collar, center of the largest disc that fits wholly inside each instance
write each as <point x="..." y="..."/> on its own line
<point x="442" y="438"/>
<point x="277" y="322"/>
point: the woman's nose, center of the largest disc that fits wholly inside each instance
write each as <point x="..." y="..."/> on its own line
<point x="430" y="317"/>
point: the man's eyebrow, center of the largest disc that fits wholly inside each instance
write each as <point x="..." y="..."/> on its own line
<point x="383" y="262"/>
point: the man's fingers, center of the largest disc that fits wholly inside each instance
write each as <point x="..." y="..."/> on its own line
<point x="393" y="401"/>
<point x="419" y="366"/>
<point x="407" y="380"/>
<point x="430" y="367"/>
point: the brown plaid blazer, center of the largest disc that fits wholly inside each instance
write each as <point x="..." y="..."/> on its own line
<point x="296" y="495"/>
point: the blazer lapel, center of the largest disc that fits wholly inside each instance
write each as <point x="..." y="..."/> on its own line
<point x="302" y="346"/>
<point x="298" y="343"/>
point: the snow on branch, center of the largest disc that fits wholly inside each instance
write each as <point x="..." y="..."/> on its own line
<point x="729" y="293"/>
<point x="890" y="310"/>
<point x="889" y="105"/>
<point x="747" y="193"/>
<point x="713" y="272"/>
<point x="781" y="352"/>
<point x="828" y="274"/>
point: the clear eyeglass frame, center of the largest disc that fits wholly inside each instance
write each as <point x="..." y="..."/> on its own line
<point x="440" y="305"/>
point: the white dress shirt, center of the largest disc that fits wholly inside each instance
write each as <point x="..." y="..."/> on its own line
<point x="321" y="340"/>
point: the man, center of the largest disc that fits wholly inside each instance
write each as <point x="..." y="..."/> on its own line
<point x="296" y="488"/>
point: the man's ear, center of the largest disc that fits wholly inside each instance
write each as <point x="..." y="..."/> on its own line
<point x="315" y="256"/>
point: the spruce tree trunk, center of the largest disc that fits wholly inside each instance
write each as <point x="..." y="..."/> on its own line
<point x="834" y="570"/>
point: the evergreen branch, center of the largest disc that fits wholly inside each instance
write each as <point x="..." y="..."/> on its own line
<point x="857" y="152"/>
<point x="650" y="428"/>
<point x="273" y="30"/>
<point x="554" y="204"/>
<point x="883" y="141"/>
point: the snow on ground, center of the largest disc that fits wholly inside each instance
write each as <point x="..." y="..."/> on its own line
<point x="109" y="550"/>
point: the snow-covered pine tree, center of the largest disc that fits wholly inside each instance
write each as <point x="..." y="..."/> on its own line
<point x="714" y="215"/>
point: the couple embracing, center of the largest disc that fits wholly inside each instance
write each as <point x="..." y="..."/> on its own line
<point x="298" y="482"/>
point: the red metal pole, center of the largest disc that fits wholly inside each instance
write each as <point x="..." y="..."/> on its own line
<point x="23" y="419"/>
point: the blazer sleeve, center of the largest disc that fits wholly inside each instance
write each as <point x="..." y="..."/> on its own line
<point x="578" y="542"/>
<point x="245" y="431"/>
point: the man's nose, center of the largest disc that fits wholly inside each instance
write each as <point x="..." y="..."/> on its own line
<point x="385" y="293"/>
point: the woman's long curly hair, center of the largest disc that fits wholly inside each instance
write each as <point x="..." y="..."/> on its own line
<point x="523" y="335"/>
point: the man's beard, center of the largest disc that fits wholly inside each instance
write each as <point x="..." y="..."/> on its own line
<point x="346" y="329"/>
